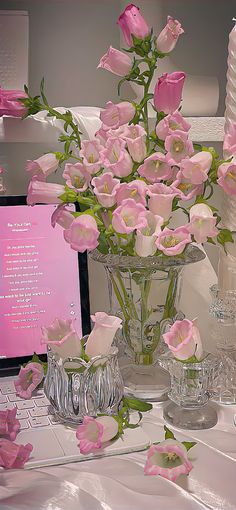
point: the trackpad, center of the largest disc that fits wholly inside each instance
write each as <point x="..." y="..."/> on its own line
<point x="45" y="443"/>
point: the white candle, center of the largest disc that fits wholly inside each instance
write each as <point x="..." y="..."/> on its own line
<point x="227" y="263"/>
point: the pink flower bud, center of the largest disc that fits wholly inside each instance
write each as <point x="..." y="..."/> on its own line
<point x="42" y="167"/>
<point x="168" y="92"/>
<point x="116" y="62"/>
<point x="168" y="37"/>
<point x="131" y="23"/>
<point x="44" y="193"/>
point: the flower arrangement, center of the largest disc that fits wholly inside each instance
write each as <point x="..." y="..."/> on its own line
<point x="184" y="341"/>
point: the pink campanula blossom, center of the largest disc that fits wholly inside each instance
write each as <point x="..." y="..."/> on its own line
<point x="61" y="216"/>
<point x="145" y="245"/>
<point x="105" y="189"/>
<point x="178" y="147"/>
<point x="196" y="168"/>
<point x="168" y="459"/>
<point x="116" y="158"/>
<point x="90" y="152"/>
<point x="9" y="425"/>
<point x="9" y="104"/>
<point x="12" y="455"/>
<point x="202" y="223"/>
<point x="155" y="168"/>
<point x="136" y="189"/>
<point x="127" y="217"/>
<point x="28" y="379"/>
<point x="185" y="188"/>
<point x="183" y="340"/>
<point x="168" y="92"/>
<point x="76" y="176"/>
<point x="135" y="137"/>
<point x="167" y="39"/>
<point x="44" y="193"/>
<point x="173" y="242"/>
<point x="116" y="62"/>
<point x="131" y="23"/>
<point x="115" y="115"/>
<point x="227" y="178"/>
<point x="161" y="198"/>
<point x="116" y="133"/>
<point x="229" y="146"/>
<point x="170" y="123"/>
<point x="94" y="432"/>
<point x="42" y="167"/>
<point x="102" y="335"/>
<point x="82" y="234"/>
<point x="102" y="135"/>
<point x="62" y="338"/>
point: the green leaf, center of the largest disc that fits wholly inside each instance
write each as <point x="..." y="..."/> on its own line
<point x="225" y="236"/>
<point x="168" y="433"/>
<point x="189" y="444"/>
<point x="103" y="246"/>
<point x="137" y="405"/>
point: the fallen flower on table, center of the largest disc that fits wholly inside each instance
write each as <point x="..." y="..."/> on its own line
<point x="9" y="425"/>
<point x="93" y="432"/>
<point x="169" y="458"/>
<point x="29" y="378"/>
<point x="12" y="455"/>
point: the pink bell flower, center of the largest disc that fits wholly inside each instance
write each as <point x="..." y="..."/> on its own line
<point x="116" y="61"/>
<point x="168" y="92"/>
<point x="9" y="425"/>
<point x="171" y="122"/>
<point x="185" y="188"/>
<point x="94" y="432"/>
<point x="127" y="218"/>
<point x="116" y="158"/>
<point x="135" y="137"/>
<point x="90" y="152"/>
<point x="115" y="115"/>
<point x="155" y="168"/>
<point x="227" y="178"/>
<point x="82" y="234"/>
<point x="168" y="459"/>
<point x="145" y="245"/>
<point x="42" y="167"/>
<point x="183" y="340"/>
<point x="102" y="335"/>
<point x="9" y="104"/>
<point x="105" y="189"/>
<point x="76" y="176"/>
<point x="229" y="146"/>
<point x="178" y="147"/>
<point x="28" y="379"/>
<point x="12" y="455"/>
<point x="62" y="216"/>
<point x="161" y="199"/>
<point x="173" y="242"/>
<point x="196" y="168"/>
<point x="102" y="135"/>
<point x="44" y="193"/>
<point x="62" y="338"/>
<point x="202" y="223"/>
<point x="167" y="39"/>
<point x="136" y="189"/>
<point x="131" y="23"/>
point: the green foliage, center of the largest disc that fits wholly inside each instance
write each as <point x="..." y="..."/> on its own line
<point x="168" y="433"/>
<point x="189" y="444"/>
<point x="137" y="405"/>
<point x="225" y="236"/>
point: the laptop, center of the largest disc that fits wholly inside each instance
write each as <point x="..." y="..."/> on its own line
<point x="41" y="278"/>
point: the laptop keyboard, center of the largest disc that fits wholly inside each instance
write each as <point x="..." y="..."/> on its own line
<point x="36" y="412"/>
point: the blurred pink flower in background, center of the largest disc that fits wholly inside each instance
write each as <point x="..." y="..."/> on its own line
<point x="168" y="459"/>
<point x="168" y="92"/>
<point x="28" y="379"/>
<point x="9" y="425"/>
<point x="229" y="146"/>
<point x="116" y="62"/>
<point x="131" y="23"/>
<point x="227" y="178"/>
<point x="12" y="455"/>
<point x="9" y="104"/>
<point x="167" y="39"/>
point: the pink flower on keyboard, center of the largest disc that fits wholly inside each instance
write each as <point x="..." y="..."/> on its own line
<point x="93" y="432"/>
<point x="29" y="378"/>
<point x="12" y="455"/>
<point x="9" y="425"/>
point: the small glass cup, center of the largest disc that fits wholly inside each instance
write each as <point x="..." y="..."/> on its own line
<point x="190" y="392"/>
<point x="76" y="388"/>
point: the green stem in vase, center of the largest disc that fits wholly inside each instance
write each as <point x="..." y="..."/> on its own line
<point x="169" y="309"/>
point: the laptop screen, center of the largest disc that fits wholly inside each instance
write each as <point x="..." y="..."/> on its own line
<point x="39" y="278"/>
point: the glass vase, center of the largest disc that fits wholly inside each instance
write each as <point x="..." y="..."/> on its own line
<point x="145" y="293"/>
<point x="191" y="385"/>
<point x="76" y="388"/>
<point x="223" y="335"/>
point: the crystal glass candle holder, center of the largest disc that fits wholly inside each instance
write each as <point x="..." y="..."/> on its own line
<point x="223" y="336"/>
<point x="76" y="388"/>
<point x="190" y="392"/>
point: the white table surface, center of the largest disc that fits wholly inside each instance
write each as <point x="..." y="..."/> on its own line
<point x="118" y="483"/>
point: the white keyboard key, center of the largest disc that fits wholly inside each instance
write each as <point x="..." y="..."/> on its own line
<point x="40" y="421"/>
<point x="39" y="394"/>
<point x="25" y="404"/>
<point x="22" y="414"/>
<point x="42" y="402"/>
<point x="14" y="398"/>
<point x="39" y="411"/>
<point x="24" y="424"/>
<point x="7" y="388"/>
<point x="7" y="405"/>
<point x="3" y="399"/>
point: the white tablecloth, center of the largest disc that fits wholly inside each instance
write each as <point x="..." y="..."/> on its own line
<point x="118" y="483"/>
